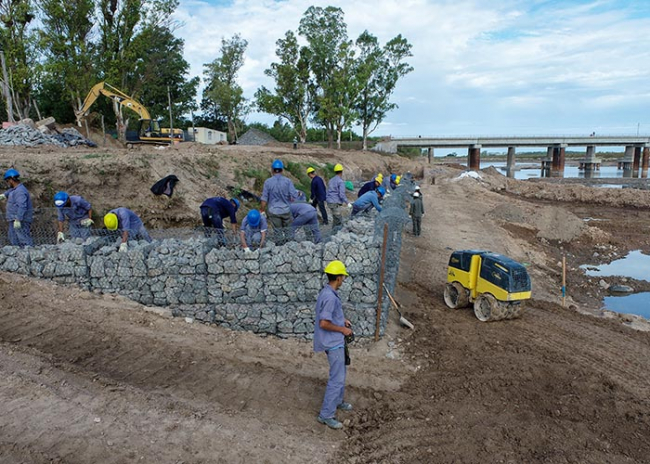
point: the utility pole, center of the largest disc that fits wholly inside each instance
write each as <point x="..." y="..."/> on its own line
<point x="5" y="88"/>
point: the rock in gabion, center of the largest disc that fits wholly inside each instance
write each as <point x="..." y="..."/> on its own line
<point x="24" y="135"/>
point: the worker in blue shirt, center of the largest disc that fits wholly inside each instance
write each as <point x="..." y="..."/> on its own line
<point x="20" y="212"/>
<point x="336" y="198"/>
<point x="278" y="193"/>
<point x="394" y="181"/>
<point x="367" y="201"/>
<point x="253" y="230"/>
<point x="78" y="212"/>
<point x="214" y="210"/>
<point x="330" y="329"/>
<point x="126" y="221"/>
<point x="318" y="193"/>
<point x="304" y="215"/>
<point x="370" y="186"/>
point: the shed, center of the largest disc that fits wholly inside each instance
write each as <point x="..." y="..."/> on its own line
<point x="208" y="136"/>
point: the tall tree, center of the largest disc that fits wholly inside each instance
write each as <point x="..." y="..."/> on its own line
<point x="378" y="71"/>
<point x="222" y="87"/>
<point x="17" y="42"/>
<point x="292" y="99"/>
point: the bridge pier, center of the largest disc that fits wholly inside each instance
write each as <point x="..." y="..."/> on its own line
<point x="429" y="154"/>
<point x="557" y="167"/>
<point x="627" y="162"/>
<point x="546" y="162"/>
<point x="474" y="157"/>
<point x="510" y="167"/>
<point x="644" y="162"/>
<point x="590" y="163"/>
<point x="636" y="163"/>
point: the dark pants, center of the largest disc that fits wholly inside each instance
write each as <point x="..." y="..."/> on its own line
<point x="213" y="220"/>
<point x="417" y="223"/>
<point x="322" y="209"/>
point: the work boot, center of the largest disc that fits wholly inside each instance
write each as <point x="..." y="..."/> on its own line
<point x="344" y="406"/>
<point x="331" y="422"/>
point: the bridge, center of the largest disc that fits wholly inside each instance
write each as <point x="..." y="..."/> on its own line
<point x="637" y="149"/>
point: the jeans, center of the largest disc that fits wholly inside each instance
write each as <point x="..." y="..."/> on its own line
<point x="336" y="384"/>
<point x="21" y="237"/>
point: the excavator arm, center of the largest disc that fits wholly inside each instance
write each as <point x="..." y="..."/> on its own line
<point x="114" y="94"/>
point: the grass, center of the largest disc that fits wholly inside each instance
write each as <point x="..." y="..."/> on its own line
<point x="96" y="155"/>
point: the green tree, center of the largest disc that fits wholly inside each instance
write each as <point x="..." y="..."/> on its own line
<point x="222" y="89"/>
<point x="378" y="71"/>
<point x="292" y="99"/>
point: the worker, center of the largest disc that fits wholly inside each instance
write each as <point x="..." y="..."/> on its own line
<point x="253" y="230"/>
<point x="304" y="215"/>
<point x="318" y="193"/>
<point x="370" y="186"/>
<point x="78" y="212"/>
<point x="126" y="221"/>
<point x="336" y="198"/>
<point x="394" y="181"/>
<point x="278" y="193"/>
<point x="330" y="329"/>
<point x="213" y="210"/>
<point x="416" y="212"/>
<point x="368" y="200"/>
<point x="20" y="211"/>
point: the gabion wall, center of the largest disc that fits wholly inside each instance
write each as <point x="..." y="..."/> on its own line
<point x="272" y="290"/>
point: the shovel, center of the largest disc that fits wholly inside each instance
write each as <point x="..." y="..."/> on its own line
<point x="397" y="306"/>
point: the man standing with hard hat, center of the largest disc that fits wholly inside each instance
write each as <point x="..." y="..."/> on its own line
<point x="278" y="193"/>
<point x="129" y="223"/>
<point x="20" y="212"/>
<point x="78" y="212"/>
<point x="336" y="198"/>
<point x="416" y="212"/>
<point x="318" y="193"/>
<point x="253" y="230"/>
<point x="330" y="329"/>
<point x="370" y="186"/>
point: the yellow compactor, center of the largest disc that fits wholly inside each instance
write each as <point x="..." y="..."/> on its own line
<point x="497" y="285"/>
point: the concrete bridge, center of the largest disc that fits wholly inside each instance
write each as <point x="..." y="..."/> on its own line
<point x="637" y="149"/>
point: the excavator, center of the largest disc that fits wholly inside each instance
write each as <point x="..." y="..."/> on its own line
<point x="149" y="130"/>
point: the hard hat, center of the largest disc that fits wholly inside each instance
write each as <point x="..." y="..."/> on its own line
<point x="310" y="170"/>
<point x="236" y="202"/>
<point x="381" y="190"/>
<point x="336" y="268"/>
<point x="110" y="221"/>
<point x="416" y="195"/>
<point x="254" y="217"/>
<point x="393" y="177"/>
<point x="11" y="173"/>
<point x="338" y="168"/>
<point x="397" y="179"/>
<point x="381" y="176"/>
<point x="60" y="199"/>
<point x="378" y="179"/>
<point x="277" y="164"/>
<point x="417" y="188"/>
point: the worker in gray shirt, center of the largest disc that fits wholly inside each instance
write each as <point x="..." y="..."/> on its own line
<point x="336" y="198"/>
<point x="304" y="215"/>
<point x="278" y="194"/>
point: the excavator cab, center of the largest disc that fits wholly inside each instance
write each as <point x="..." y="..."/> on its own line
<point x="149" y="133"/>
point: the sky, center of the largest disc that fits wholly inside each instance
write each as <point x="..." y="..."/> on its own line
<point x="497" y="67"/>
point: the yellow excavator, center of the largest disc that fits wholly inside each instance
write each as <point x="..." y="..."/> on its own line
<point x="149" y="130"/>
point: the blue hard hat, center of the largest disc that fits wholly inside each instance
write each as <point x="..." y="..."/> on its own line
<point x="381" y="190"/>
<point x="11" y="173"/>
<point x="236" y="202"/>
<point x="277" y="164"/>
<point x="393" y="177"/>
<point x="254" y="218"/>
<point x="60" y="199"/>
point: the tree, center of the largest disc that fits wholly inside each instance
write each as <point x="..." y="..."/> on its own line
<point x="17" y="42"/>
<point x="222" y="88"/>
<point x="378" y="72"/>
<point x="292" y="99"/>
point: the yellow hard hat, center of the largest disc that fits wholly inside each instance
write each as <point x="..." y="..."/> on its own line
<point x="110" y="221"/>
<point x="336" y="268"/>
<point x="378" y="179"/>
<point x="310" y="170"/>
<point x="338" y="168"/>
<point x="380" y="176"/>
<point x="397" y="179"/>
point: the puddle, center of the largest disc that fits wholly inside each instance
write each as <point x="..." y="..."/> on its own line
<point x="610" y="186"/>
<point x="635" y="265"/>
<point x="637" y="303"/>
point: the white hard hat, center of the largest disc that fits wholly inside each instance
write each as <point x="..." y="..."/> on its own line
<point x="416" y="195"/>
<point x="417" y="187"/>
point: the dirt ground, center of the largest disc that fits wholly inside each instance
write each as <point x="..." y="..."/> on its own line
<point x="97" y="378"/>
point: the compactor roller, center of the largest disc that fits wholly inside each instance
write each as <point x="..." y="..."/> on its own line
<point x="497" y="285"/>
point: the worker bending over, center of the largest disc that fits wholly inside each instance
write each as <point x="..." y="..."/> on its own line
<point x="213" y="210"/>
<point x="77" y="211"/>
<point x="370" y="186"/>
<point x="253" y="230"/>
<point x="126" y="221"/>
<point x="304" y="215"/>
<point x="368" y="200"/>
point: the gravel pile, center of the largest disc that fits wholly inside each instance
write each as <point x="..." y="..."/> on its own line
<point x="24" y="135"/>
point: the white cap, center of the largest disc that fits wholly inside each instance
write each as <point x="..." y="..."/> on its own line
<point x="416" y="195"/>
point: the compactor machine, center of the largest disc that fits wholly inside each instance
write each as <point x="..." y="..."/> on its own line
<point x="497" y="285"/>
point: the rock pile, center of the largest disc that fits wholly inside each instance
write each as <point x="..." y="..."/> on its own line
<point x="25" y="135"/>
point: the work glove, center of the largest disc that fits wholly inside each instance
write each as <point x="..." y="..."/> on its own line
<point x="263" y="214"/>
<point x="60" y="237"/>
<point x="387" y="195"/>
<point x="87" y="222"/>
<point x="17" y="224"/>
<point x="123" y="247"/>
<point x="247" y="250"/>
<point x="2" y="196"/>
<point x="349" y="205"/>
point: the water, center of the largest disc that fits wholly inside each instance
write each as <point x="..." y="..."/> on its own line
<point x="637" y="303"/>
<point x="569" y="171"/>
<point x="635" y="265"/>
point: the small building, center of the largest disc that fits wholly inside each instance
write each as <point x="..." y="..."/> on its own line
<point x="207" y="136"/>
